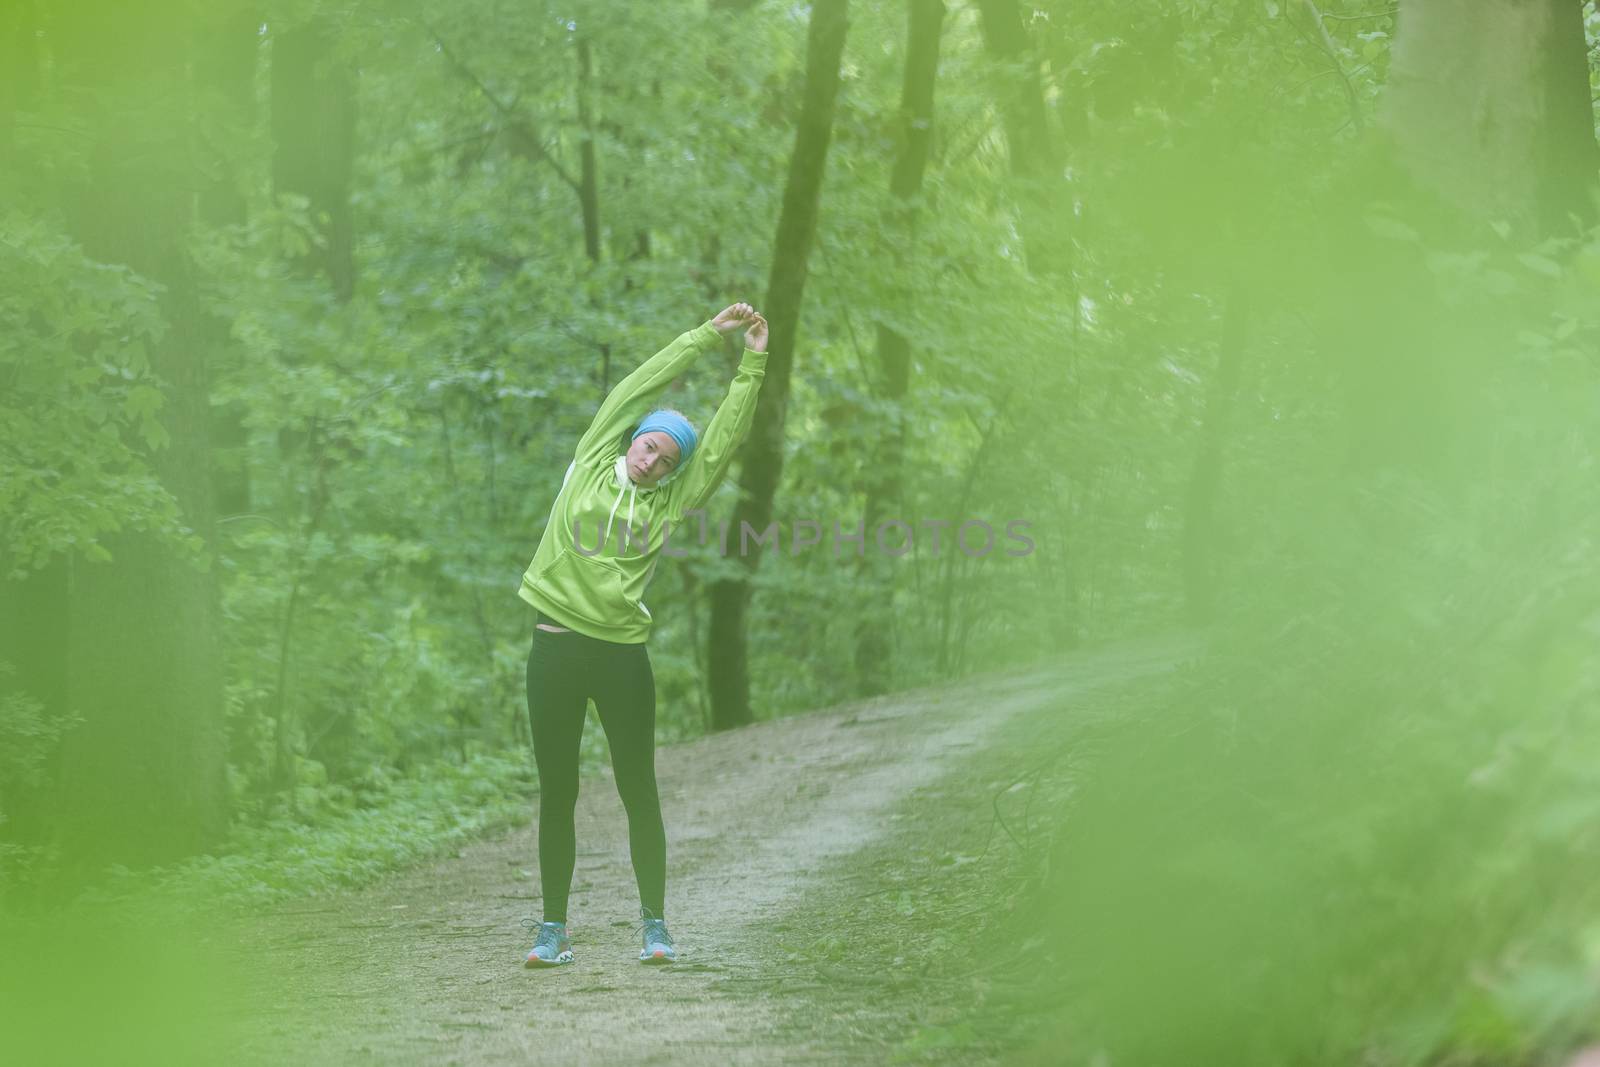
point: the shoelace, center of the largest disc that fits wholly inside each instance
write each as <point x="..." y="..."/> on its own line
<point x="655" y="930"/>
<point x="547" y="934"/>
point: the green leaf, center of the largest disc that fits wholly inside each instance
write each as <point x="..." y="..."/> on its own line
<point x="143" y="401"/>
<point x="1542" y="264"/>
<point x="1393" y="229"/>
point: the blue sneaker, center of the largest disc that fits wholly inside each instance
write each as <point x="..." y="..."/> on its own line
<point x="657" y="943"/>
<point x="552" y="949"/>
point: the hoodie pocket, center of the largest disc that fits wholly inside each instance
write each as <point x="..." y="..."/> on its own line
<point x="590" y="588"/>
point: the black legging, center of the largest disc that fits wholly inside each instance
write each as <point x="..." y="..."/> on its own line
<point x="564" y="671"/>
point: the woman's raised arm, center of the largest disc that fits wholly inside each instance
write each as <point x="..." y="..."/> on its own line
<point x="636" y="394"/>
<point x="727" y="429"/>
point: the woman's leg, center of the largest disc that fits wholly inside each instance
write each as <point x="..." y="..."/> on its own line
<point x="625" y="697"/>
<point x="557" y="699"/>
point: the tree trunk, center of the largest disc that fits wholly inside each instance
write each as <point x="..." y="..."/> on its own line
<point x="144" y="775"/>
<point x="947" y="659"/>
<point x="19" y="78"/>
<point x="313" y="123"/>
<point x="1200" y="536"/>
<point x="224" y="73"/>
<point x="761" y="460"/>
<point x="33" y="606"/>
<point x="313" y="130"/>
<point x="638" y="246"/>
<point x="1570" y="154"/>
<point x="225" y="92"/>
<point x="1488" y="106"/>
<point x="1034" y="151"/>
<point x="1044" y="209"/>
<point x="588" y="176"/>
<point x="874" y="637"/>
<point x="34" y="643"/>
<point x="589" y="188"/>
<point x="1477" y="127"/>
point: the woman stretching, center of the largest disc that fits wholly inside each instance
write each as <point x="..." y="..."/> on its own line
<point x="591" y="624"/>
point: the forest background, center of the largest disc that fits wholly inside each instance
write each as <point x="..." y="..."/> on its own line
<point x="1273" y="320"/>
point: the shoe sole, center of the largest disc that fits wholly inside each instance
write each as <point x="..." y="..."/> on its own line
<point x="657" y="959"/>
<point x="538" y="962"/>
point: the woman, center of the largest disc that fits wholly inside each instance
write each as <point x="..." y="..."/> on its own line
<point x="590" y="630"/>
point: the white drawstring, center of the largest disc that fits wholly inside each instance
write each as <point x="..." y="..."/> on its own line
<point x="622" y="476"/>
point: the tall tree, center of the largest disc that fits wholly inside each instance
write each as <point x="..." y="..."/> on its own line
<point x="588" y="186"/>
<point x="19" y="76"/>
<point x="144" y="775"/>
<point x="761" y="460"/>
<point x="1489" y="107"/>
<point x="588" y="170"/>
<point x="313" y="124"/>
<point x="1200" y="527"/>
<point x="225" y="45"/>
<point x="1487" y="119"/>
<point x="225" y="93"/>
<point x="313" y="130"/>
<point x="1043" y="206"/>
<point x="882" y="470"/>
<point x="33" y="604"/>
<point x="1034" y="150"/>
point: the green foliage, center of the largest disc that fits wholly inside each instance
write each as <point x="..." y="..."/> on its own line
<point x="28" y="735"/>
<point x="1365" y="828"/>
<point x="346" y="835"/>
<point x="79" y="404"/>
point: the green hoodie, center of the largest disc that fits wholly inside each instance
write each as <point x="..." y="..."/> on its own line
<point x="596" y="587"/>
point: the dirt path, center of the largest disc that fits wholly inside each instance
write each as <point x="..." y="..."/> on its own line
<point x="425" y="967"/>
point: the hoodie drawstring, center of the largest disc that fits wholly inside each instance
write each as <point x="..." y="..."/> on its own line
<point x="625" y="482"/>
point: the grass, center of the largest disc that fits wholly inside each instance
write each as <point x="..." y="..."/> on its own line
<point x="345" y="845"/>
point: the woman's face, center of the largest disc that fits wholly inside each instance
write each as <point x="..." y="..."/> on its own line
<point x="651" y="457"/>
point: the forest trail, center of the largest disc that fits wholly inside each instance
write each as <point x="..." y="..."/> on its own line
<point x="426" y="966"/>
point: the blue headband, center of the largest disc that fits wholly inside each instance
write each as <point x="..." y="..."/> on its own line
<point x="674" y="426"/>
